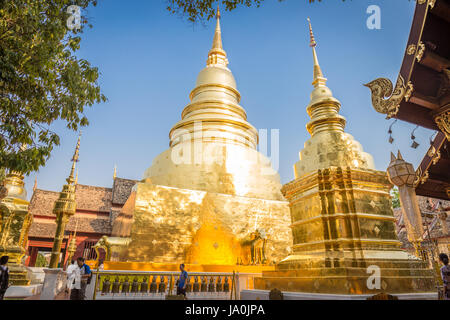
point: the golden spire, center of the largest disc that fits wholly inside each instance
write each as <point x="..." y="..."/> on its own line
<point x="217" y="56"/>
<point x="35" y="184"/>
<point x="70" y="179"/>
<point x="217" y="42"/>
<point x="319" y="79"/>
<point x="76" y="178"/>
<point x="115" y="172"/>
<point x="64" y="208"/>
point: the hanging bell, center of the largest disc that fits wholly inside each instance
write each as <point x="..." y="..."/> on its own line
<point x="391" y="140"/>
<point x="413" y="138"/>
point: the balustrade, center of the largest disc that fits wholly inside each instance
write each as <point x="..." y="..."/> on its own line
<point x="129" y="285"/>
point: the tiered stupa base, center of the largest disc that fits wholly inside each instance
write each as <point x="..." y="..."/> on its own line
<point x="171" y="225"/>
<point x="343" y="229"/>
<point x="397" y="276"/>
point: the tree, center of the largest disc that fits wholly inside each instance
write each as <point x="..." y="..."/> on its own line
<point x="41" y="79"/>
<point x="201" y="9"/>
<point x="395" y="198"/>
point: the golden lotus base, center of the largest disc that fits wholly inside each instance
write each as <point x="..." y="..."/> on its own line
<point x="395" y="277"/>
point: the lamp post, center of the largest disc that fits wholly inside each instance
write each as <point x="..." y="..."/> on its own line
<point x="403" y="175"/>
<point x="65" y="207"/>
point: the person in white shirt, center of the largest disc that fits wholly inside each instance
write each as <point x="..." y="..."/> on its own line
<point x="73" y="280"/>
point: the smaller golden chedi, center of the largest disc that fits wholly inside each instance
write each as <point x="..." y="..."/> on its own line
<point x="342" y="219"/>
<point x="15" y="222"/>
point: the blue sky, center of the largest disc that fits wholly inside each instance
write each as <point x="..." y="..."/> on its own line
<point x="149" y="60"/>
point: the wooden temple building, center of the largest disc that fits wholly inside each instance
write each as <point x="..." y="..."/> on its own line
<point x="421" y="97"/>
<point x="97" y="208"/>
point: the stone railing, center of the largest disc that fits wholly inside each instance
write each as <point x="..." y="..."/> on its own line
<point x="157" y="285"/>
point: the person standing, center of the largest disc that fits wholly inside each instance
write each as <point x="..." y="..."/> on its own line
<point x="73" y="280"/>
<point x="181" y="287"/>
<point x="4" y="276"/>
<point x="445" y="274"/>
<point x="85" y="272"/>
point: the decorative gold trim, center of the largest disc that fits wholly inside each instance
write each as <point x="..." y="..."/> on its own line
<point x="431" y="3"/>
<point x="382" y="88"/>
<point x="412" y="49"/>
<point x="420" y="51"/>
<point x="434" y="154"/>
<point x="421" y="177"/>
<point x="443" y="122"/>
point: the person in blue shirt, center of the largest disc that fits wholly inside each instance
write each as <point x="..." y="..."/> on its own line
<point x="181" y="287"/>
<point x="85" y="272"/>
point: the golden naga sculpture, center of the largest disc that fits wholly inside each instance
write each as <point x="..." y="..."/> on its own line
<point x="382" y="88"/>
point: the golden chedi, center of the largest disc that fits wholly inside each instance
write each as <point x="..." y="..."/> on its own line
<point x="342" y="220"/>
<point x="202" y="199"/>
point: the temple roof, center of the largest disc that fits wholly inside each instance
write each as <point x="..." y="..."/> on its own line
<point x="94" y="205"/>
<point x="83" y="224"/>
<point x="422" y="93"/>
<point x="88" y="198"/>
<point x="121" y="190"/>
<point x="426" y="63"/>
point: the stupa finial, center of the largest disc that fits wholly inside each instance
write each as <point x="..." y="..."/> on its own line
<point x="319" y="79"/>
<point x="74" y="160"/>
<point x="217" y="56"/>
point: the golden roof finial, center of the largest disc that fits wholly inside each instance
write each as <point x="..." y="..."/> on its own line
<point x="312" y="42"/>
<point x="217" y="56"/>
<point x="115" y="172"/>
<point x="319" y="79"/>
<point x="70" y="179"/>
<point x="76" y="178"/>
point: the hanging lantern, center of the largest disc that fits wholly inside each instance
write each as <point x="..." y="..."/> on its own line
<point x="413" y="138"/>
<point x="391" y="139"/>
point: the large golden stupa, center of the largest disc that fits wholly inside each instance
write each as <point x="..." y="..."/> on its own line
<point x="211" y="198"/>
<point x="344" y="239"/>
